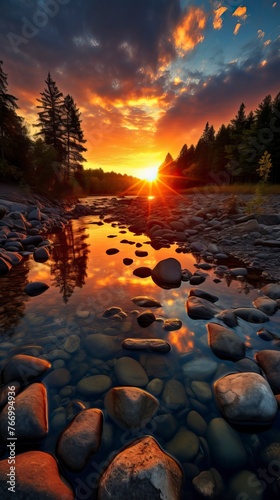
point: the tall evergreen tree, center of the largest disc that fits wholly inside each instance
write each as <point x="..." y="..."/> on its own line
<point x="50" y="118"/>
<point x="73" y="136"/>
<point x="9" y="121"/>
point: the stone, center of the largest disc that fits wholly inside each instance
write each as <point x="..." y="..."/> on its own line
<point x="174" y="395"/>
<point x="266" y="305"/>
<point x="155" y="386"/>
<point x="94" y="385"/>
<point x="72" y="344"/>
<point x="251" y="315"/>
<point x="184" y="445"/>
<point x="272" y="290"/>
<point x="197" y="280"/>
<point x="127" y="261"/>
<point x="224" y="343"/>
<point x="238" y="271"/>
<point x="129" y="372"/>
<point x="197" y="292"/>
<point x="149" y="345"/>
<point x="246" y="484"/>
<point x="112" y="251"/>
<point x="141" y="253"/>
<point x="199" y="308"/>
<point x="196" y="423"/>
<point x="228" y="317"/>
<point x="130" y="407"/>
<point x="269" y="361"/>
<point x="167" y="272"/>
<point x="111" y="311"/>
<point x="208" y="484"/>
<point x="37" y="477"/>
<point x="23" y="368"/>
<point x="225" y="445"/>
<point x="172" y="324"/>
<point x="145" y="319"/>
<point x="102" y="346"/>
<point x="165" y="425"/>
<point x="57" y="378"/>
<point x="41" y="254"/>
<point x="31" y="415"/>
<point x="271" y="455"/>
<point x="201" y="368"/>
<point x="197" y="247"/>
<point x="144" y="301"/>
<point x="143" y="471"/>
<point x="35" y="288"/>
<point x="248" y="227"/>
<point x="247" y="365"/>
<point x="245" y="398"/>
<point x="80" y="439"/>
<point x="142" y="272"/>
<point x="5" y="266"/>
<point x="202" y="391"/>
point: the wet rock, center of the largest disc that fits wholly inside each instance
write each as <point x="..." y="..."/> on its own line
<point x="197" y="292"/>
<point x="208" y="484"/>
<point x="57" y="378"/>
<point x="228" y="317"/>
<point x="201" y="368"/>
<point x="41" y="254"/>
<point x="186" y="275"/>
<point x="167" y="272"/>
<point x="145" y="319"/>
<point x="143" y="301"/>
<point x="200" y="308"/>
<point x="172" y="324"/>
<point x="238" y="271"/>
<point x="269" y="361"/>
<point x="155" y="386"/>
<point x="251" y="315"/>
<point x="94" y="385"/>
<point x="197" y="280"/>
<point x="156" y="345"/>
<point x="23" y="368"/>
<point x="111" y="311"/>
<point x="197" y="247"/>
<point x="225" y="343"/>
<point x="37" y="477"/>
<point x="5" y="266"/>
<point x="271" y="455"/>
<point x="112" y="251"/>
<point x="272" y="290"/>
<point x="184" y="445"/>
<point x="80" y="439"/>
<point x="141" y="253"/>
<point x="35" y="288"/>
<point x="129" y="372"/>
<point x="142" y="272"/>
<point x="127" y="261"/>
<point x="266" y="305"/>
<point x="31" y="415"/>
<point x="102" y="346"/>
<point x="130" y="407"/>
<point x="196" y="423"/>
<point x="246" y="398"/>
<point x="202" y="391"/>
<point x="225" y="445"/>
<point x="141" y="471"/>
<point x="264" y="334"/>
<point x="247" y="365"/>
<point x="72" y="344"/>
<point x="245" y="484"/>
<point x="174" y="395"/>
<point x="165" y="425"/>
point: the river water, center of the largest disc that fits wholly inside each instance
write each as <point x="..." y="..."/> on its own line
<point x="83" y="282"/>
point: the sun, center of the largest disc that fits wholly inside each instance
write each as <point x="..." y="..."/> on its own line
<point x="149" y="174"/>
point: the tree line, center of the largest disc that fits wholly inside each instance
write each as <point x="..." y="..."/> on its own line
<point x="233" y="153"/>
<point x="52" y="160"/>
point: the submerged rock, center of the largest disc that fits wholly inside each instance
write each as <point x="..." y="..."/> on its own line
<point x="156" y="345"/>
<point x="269" y="361"/>
<point x="37" y="477"/>
<point x="208" y="484"/>
<point x="200" y="369"/>
<point x="129" y="372"/>
<point x="228" y="317"/>
<point x="130" y="407"/>
<point x="225" y="445"/>
<point x="200" y="308"/>
<point x="94" y="385"/>
<point x="80" y="439"/>
<point x="224" y="342"/>
<point x="102" y="346"/>
<point x="246" y="398"/>
<point x="197" y="292"/>
<point x="141" y="471"/>
<point x="251" y="315"/>
<point x="184" y="445"/>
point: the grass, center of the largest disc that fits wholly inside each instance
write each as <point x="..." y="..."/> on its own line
<point x="235" y="189"/>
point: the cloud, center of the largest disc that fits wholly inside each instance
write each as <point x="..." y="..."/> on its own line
<point x="218" y="20"/>
<point x="240" y="12"/>
<point x="237" y="28"/>
<point x="190" y="30"/>
<point x="261" y="34"/>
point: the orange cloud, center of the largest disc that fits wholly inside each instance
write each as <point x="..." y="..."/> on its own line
<point x="218" y="20"/>
<point x="237" y="28"/>
<point x="189" y="32"/>
<point x="240" y="12"/>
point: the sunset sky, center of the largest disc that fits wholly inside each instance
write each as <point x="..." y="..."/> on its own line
<point x="146" y="74"/>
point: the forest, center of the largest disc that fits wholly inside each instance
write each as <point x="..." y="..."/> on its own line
<point x="51" y="160"/>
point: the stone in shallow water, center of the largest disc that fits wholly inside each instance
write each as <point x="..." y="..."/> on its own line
<point x="142" y="272"/>
<point x="144" y="301"/>
<point x="141" y="471"/>
<point x="127" y="261"/>
<point x="225" y="445"/>
<point x="130" y="407"/>
<point x="228" y="317"/>
<point x="94" y="385"/>
<point x="197" y="280"/>
<point x="23" y="368"/>
<point x="272" y="290"/>
<point x="246" y="398"/>
<point x="111" y="311"/>
<point x="251" y="315"/>
<point x="245" y="484"/>
<point x="174" y="394"/>
<point x="200" y="308"/>
<point x="145" y="319"/>
<point x="129" y="372"/>
<point x="57" y="378"/>
<point x="200" y="369"/>
<point x="225" y="343"/>
<point x="72" y="344"/>
<point x="172" y="324"/>
<point x="37" y="477"/>
<point x="266" y="305"/>
<point x="31" y="415"/>
<point x="184" y="445"/>
<point x="155" y="386"/>
<point x="148" y="345"/>
<point x="196" y="423"/>
<point x="202" y="391"/>
<point x="167" y="272"/>
<point x="36" y="288"/>
<point x="80" y="439"/>
<point x="197" y="292"/>
<point x="41" y="254"/>
<point x="102" y="346"/>
<point x="112" y="251"/>
<point x="269" y="361"/>
<point x="208" y="484"/>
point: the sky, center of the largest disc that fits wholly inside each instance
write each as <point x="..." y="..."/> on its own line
<point x="146" y="74"/>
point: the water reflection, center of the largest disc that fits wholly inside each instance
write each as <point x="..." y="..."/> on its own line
<point x="13" y="297"/>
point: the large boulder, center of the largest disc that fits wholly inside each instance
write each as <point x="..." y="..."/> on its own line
<point x="23" y="368"/>
<point x="246" y="398"/>
<point x="141" y="471"/>
<point x="272" y="290"/>
<point x="269" y="361"/>
<point x="36" y="477"/>
<point x="224" y="342"/>
<point x="167" y="273"/>
<point x="225" y="445"/>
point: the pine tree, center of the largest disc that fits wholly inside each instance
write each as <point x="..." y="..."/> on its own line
<point x="73" y="136"/>
<point x="9" y="121"/>
<point x="50" y="121"/>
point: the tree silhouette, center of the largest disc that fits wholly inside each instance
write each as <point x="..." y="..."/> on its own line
<point x="73" y="136"/>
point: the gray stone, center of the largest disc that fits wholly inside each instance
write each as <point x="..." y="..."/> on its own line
<point x="228" y="317"/>
<point x="129" y="372"/>
<point x="155" y="386"/>
<point x="225" y="445"/>
<point x="141" y="471"/>
<point x="200" y="308"/>
<point x="196" y="423"/>
<point x="197" y="292"/>
<point x="167" y="271"/>
<point x="208" y="484"/>
<point x="202" y="391"/>
<point x="266" y="305"/>
<point x="102" y="346"/>
<point x="80" y="439"/>
<point x="72" y="344"/>
<point x="272" y="290"/>
<point x="37" y="477"/>
<point x="224" y="342"/>
<point x="94" y="385"/>
<point x="58" y="378"/>
<point x="251" y="315"/>
<point x="41" y="254"/>
<point x="246" y="398"/>
<point x="201" y="368"/>
<point x="184" y="445"/>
